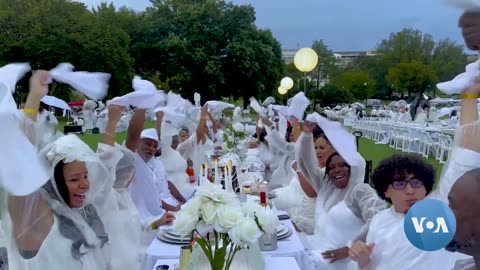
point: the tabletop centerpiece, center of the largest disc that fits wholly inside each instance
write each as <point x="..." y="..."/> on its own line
<point x="221" y="226"/>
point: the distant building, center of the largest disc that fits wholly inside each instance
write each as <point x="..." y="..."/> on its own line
<point x="343" y="58"/>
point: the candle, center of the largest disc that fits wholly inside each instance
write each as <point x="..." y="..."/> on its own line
<point x="263" y="198"/>
<point x="228" y="180"/>
<point x="217" y="174"/>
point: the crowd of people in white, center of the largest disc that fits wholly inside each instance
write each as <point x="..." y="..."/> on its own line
<point x="65" y="206"/>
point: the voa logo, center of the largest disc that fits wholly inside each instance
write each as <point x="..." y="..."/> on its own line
<point x="439" y="225"/>
<point x="430" y="225"/>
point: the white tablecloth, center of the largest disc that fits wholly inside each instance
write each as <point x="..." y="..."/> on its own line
<point x="271" y="263"/>
<point x="290" y="247"/>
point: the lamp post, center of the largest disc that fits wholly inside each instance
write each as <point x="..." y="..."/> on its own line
<point x="282" y="90"/>
<point x="305" y="60"/>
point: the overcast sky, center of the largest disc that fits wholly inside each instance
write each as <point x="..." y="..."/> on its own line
<point x="344" y="25"/>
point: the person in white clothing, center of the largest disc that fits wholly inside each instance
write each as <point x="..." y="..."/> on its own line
<point x="404" y="180"/>
<point x="57" y="227"/>
<point x="148" y="188"/>
<point x="345" y="205"/>
<point x="463" y="198"/>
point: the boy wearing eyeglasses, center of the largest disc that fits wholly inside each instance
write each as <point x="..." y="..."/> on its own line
<point x="404" y="180"/>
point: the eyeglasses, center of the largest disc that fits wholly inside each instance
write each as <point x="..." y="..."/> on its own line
<point x="401" y="185"/>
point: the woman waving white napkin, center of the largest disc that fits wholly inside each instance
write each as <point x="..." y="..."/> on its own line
<point x="57" y="227"/>
<point x="342" y="197"/>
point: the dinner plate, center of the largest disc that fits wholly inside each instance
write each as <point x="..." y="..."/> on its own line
<point x="161" y="235"/>
<point x="175" y="236"/>
<point x="284" y="236"/>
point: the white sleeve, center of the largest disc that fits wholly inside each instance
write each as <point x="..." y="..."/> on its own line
<point x="364" y="202"/>
<point x="461" y="160"/>
<point x="307" y="162"/>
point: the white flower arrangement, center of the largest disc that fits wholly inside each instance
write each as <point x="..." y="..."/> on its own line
<point x="235" y="225"/>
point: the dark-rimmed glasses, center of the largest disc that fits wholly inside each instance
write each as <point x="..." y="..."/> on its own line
<point x="401" y="185"/>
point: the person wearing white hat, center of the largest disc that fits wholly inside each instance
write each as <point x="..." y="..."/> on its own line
<point x="149" y="189"/>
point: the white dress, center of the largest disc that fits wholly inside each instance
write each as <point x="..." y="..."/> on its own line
<point x="88" y="119"/>
<point x="176" y="167"/>
<point x="284" y="154"/>
<point x="340" y="225"/>
<point x="54" y="254"/>
<point x="198" y="153"/>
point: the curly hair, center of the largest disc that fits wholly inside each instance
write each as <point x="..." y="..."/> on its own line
<point x="396" y="168"/>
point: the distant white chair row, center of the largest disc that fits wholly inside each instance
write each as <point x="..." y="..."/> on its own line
<point x="409" y="138"/>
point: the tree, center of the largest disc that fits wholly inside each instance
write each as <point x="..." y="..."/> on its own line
<point x="326" y="63"/>
<point x="411" y="77"/>
<point x="48" y="32"/>
<point x="210" y="47"/>
<point x="445" y="58"/>
<point x="448" y="60"/>
<point x="331" y="95"/>
<point x="357" y="82"/>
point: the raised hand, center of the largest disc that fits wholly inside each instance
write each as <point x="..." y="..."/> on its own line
<point x="308" y="126"/>
<point x="361" y="252"/>
<point x="39" y="83"/>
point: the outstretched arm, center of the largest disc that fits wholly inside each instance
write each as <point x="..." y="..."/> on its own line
<point x="114" y="115"/>
<point x="135" y="128"/>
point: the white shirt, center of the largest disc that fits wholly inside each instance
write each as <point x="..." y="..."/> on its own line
<point x="392" y="249"/>
<point x="147" y="190"/>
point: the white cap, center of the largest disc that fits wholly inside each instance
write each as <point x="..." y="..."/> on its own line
<point x="150" y="133"/>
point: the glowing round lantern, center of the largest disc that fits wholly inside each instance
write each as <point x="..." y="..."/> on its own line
<point x="306" y="59"/>
<point x="287" y="83"/>
<point x="282" y="90"/>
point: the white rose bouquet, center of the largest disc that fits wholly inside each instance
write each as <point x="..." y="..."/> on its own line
<point x="223" y="225"/>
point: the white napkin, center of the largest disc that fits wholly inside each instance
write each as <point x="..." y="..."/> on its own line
<point x="142" y="100"/>
<point x="298" y="105"/>
<point x="55" y="102"/>
<point x="22" y="171"/>
<point x="9" y="76"/>
<point x="462" y="81"/>
<point x="12" y="73"/>
<point x="175" y="101"/>
<point x="256" y="107"/>
<point x="283" y="110"/>
<point x="141" y="85"/>
<point x="93" y="84"/>
<point x="169" y="114"/>
<point x="342" y="140"/>
<point x="145" y="96"/>
<point x="219" y="106"/>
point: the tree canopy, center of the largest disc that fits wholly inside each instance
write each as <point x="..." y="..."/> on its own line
<point x="206" y="46"/>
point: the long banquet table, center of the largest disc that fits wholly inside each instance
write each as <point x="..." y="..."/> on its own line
<point x="289" y="247"/>
<point x="271" y="263"/>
